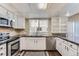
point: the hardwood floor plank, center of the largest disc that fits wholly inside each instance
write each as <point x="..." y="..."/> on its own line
<point x="38" y="53"/>
<point x="54" y="53"/>
<point x="22" y="53"/>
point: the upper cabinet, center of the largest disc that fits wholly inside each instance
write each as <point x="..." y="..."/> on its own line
<point x="63" y="24"/>
<point x="10" y="15"/>
<point x="19" y="22"/>
<point x="54" y="25"/>
<point x="3" y="12"/>
<point x="59" y="24"/>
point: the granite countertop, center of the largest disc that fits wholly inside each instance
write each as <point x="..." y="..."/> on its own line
<point x="65" y="38"/>
<point x="15" y="37"/>
<point x="12" y="38"/>
<point x="32" y="36"/>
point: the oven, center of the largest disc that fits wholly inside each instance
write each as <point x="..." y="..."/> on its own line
<point x="13" y="47"/>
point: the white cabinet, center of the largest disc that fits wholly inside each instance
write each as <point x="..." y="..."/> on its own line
<point x="72" y="52"/>
<point x="59" y="24"/>
<point x="23" y="43"/>
<point x="3" y="50"/>
<point x="10" y="15"/>
<point x="68" y="51"/>
<point x="66" y="48"/>
<point x="40" y="44"/>
<point x="3" y="12"/>
<point x="54" y="25"/>
<point x="34" y="43"/>
<point x="63" y="24"/>
<point x="19" y="22"/>
<point x="59" y="45"/>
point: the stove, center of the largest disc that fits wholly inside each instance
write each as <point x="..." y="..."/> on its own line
<point x="4" y="36"/>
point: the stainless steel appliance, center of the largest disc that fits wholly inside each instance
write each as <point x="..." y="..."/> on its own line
<point x="5" y="22"/>
<point x="3" y="47"/>
<point x="13" y="47"/>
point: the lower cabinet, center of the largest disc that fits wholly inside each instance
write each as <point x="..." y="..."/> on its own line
<point x="72" y="52"/>
<point x="3" y="49"/>
<point x="34" y="43"/>
<point x="66" y="48"/>
<point x="59" y="45"/>
<point x="78" y="50"/>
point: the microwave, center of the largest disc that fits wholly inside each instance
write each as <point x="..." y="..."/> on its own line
<point x="5" y="22"/>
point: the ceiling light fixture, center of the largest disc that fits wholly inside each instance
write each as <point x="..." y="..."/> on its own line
<point x="42" y="5"/>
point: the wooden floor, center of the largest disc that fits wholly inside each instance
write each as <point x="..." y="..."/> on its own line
<point x="54" y="53"/>
<point x="37" y="53"/>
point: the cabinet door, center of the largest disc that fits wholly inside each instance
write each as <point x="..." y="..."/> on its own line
<point x="21" y="22"/>
<point x="10" y="15"/>
<point x="29" y="44"/>
<point x="3" y="12"/>
<point x="23" y="43"/>
<point x="40" y="44"/>
<point x="64" y="50"/>
<point x="62" y="24"/>
<point x="55" y="25"/>
<point x="26" y="43"/>
<point x="72" y="52"/>
<point x="59" y="45"/>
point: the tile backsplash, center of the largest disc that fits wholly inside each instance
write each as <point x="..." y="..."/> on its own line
<point x="59" y="34"/>
<point x="11" y="31"/>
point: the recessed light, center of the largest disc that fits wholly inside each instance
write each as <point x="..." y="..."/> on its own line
<point x="42" y="5"/>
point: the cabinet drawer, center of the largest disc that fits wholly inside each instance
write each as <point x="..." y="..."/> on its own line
<point x="71" y="45"/>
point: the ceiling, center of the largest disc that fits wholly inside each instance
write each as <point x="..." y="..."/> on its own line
<point x="31" y="10"/>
